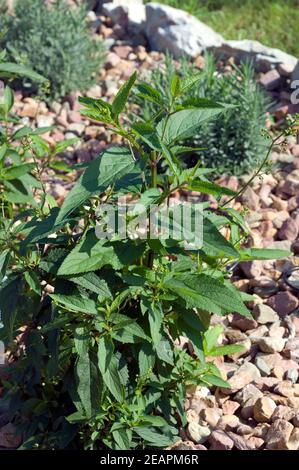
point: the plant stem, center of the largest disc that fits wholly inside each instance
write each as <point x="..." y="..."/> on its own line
<point x="150" y="259"/>
<point x="154" y="174"/>
<point x="256" y="173"/>
<point x="154" y="171"/>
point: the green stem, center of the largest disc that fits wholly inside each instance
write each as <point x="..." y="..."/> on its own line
<point x="150" y="259"/>
<point x="130" y="138"/>
<point x="154" y="174"/>
<point x="256" y="173"/>
<point x="154" y="171"/>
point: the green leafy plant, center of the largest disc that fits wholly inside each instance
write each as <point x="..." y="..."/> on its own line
<point x="232" y="142"/>
<point x="3" y="6"/>
<point x="55" y="41"/>
<point x="91" y="323"/>
<point x="24" y="154"/>
<point x="16" y="179"/>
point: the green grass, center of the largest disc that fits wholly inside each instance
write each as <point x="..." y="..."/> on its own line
<point x="275" y="23"/>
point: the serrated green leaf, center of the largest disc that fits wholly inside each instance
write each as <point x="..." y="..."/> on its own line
<point x="148" y="93"/>
<point x="97" y="103"/>
<point x="156" y="421"/>
<point x="105" y="353"/>
<point x="191" y="326"/>
<point x="23" y="132"/>
<point x="214" y="243"/>
<point x="263" y="253"/>
<point x="33" y="281"/>
<point x="215" y="380"/>
<point x="39" y="229"/>
<point x="206" y="187"/>
<point x="62" y="146"/>
<point x="211" y="338"/>
<point x="148" y="197"/>
<point x="75" y="418"/>
<point x="4" y="260"/>
<point x="75" y="303"/>
<point x="96" y="109"/>
<point x="123" y="438"/>
<point x="39" y="145"/>
<point x="146" y="359"/>
<point x="84" y="370"/>
<point x="91" y="254"/>
<point x="238" y="218"/>
<point x="17" y="197"/>
<point x="3" y="150"/>
<point x="96" y="115"/>
<point x="153" y="437"/>
<point x="175" y="85"/>
<point x="197" y="102"/>
<point x="178" y="149"/>
<point x="110" y="376"/>
<point x="123" y="370"/>
<point x="148" y="134"/>
<point x="155" y="318"/>
<point x="102" y="172"/>
<point x="164" y="351"/>
<point x="184" y="124"/>
<point x="29" y="181"/>
<point x="60" y="166"/>
<point x="93" y="283"/>
<point x="14" y="172"/>
<point x="122" y="95"/>
<point x="126" y="330"/>
<point x="188" y="82"/>
<point x="62" y="320"/>
<point x="172" y="161"/>
<point x="8" y="98"/>
<point x="226" y="350"/>
<point x="42" y="130"/>
<point x="207" y="293"/>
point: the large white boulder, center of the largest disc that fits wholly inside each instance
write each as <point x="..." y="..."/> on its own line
<point x="178" y="32"/>
<point x="173" y="30"/>
<point x="127" y="13"/>
<point x="261" y="54"/>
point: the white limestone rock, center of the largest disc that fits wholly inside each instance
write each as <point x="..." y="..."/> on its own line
<point x="262" y="55"/>
<point x="178" y="32"/>
<point x="127" y="13"/>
